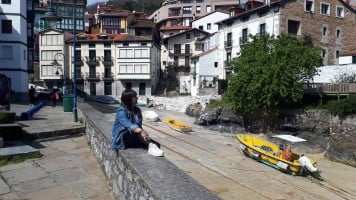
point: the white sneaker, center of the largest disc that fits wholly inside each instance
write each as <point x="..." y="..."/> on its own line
<point x="154" y="150"/>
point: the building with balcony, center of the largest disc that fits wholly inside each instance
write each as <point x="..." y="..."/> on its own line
<point x="16" y="44"/>
<point x="177" y="50"/>
<point x="108" y="63"/>
<point x="52" y="46"/>
<point x="174" y="16"/>
<point x="207" y="22"/>
<point x="330" y="24"/>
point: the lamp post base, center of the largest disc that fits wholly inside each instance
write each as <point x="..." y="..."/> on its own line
<point x="75" y="115"/>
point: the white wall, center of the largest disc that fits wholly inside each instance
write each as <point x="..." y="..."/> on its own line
<point x="15" y="63"/>
<point x="344" y="60"/>
<point x="272" y="21"/>
<point x="212" y="19"/>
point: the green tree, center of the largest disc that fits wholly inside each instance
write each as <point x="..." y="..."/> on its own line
<point x="269" y="72"/>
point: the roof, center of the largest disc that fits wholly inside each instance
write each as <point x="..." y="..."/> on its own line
<point x="267" y="7"/>
<point x="184" y="32"/>
<point x="205" y="52"/>
<point x="289" y="138"/>
<point x="143" y="23"/>
<point x="177" y="27"/>
<point x="221" y="11"/>
<point x="111" y="37"/>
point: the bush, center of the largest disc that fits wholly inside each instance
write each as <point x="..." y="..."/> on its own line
<point x="342" y="108"/>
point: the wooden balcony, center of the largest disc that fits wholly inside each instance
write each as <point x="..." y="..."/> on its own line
<point x="92" y="76"/>
<point x="92" y="61"/>
<point x="330" y="88"/>
<point x="108" y="76"/>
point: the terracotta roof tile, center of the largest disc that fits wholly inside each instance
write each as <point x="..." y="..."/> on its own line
<point x="205" y="52"/>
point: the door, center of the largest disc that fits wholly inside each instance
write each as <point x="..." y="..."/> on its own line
<point x="92" y="89"/>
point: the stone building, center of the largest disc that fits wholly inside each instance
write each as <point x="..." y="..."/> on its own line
<point x="330" y="23"/>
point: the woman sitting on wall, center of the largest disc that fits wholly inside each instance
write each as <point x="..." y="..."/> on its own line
<point x="127" y="131"/>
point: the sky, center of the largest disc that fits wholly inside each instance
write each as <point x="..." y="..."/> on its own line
<point x="94" y="1"/>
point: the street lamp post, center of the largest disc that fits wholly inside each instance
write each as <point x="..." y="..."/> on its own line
<point x="75" y="113"/>
<point x="55" y="63"/>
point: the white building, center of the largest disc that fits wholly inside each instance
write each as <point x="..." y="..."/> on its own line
<point x="13" y="45"/>
<point x="235" y="31"/>
<point x="107" y="64"/>
<point x="204" y="68"/>
<point x="52" y="47"/>
<point x="207" y="22"/>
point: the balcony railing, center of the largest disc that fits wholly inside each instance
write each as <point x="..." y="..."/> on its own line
<point x="228" y="44"/>
<point x="330" y="88"/>
<point x="180" y="52"/>
<point x="107" y="61"/>
<point x="93" y="76"/>
<point x="108" y="76"/>
<point x="92" y="61"/>
<point x="80" y="75"/>
<point x="78" y="62"/>
<point x="243" y="40"/>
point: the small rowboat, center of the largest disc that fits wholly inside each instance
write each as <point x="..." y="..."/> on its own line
<point x="272" y="155"/>
<point x="177" y="125"/>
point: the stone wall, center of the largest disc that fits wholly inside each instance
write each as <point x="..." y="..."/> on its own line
<point x="126" y="183"/>
<point x="132" y="173"/>
<point x="180" y="103"/>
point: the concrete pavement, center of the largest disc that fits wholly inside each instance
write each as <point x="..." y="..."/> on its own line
<point x="68" y="168"/>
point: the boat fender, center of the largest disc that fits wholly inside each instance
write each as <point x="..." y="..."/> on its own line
<point x="305" y="162"/>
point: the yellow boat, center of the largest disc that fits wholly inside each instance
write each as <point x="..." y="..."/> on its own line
<point x="177" y="125"/>
<point x="272" y="155"/>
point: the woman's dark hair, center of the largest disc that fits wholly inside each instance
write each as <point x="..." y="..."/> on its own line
<point x="126" y="98"/>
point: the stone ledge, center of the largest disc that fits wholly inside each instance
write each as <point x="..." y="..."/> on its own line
<point x="135" y="175"/>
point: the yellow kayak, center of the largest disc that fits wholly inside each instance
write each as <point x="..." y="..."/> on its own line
<point x="272" y="155"/>
<point x="177" y="125"/>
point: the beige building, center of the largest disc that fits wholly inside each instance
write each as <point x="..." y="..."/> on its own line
<point x="177" y="50"/>
<point x="108" y="63"/>
<point x="52" y="47"/>
<point x="175" y="16"/>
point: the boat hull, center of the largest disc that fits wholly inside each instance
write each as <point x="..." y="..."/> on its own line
<point x="269" y="154"/>
<point x="178" y="125"/>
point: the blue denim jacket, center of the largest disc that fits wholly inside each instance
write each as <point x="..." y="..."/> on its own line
<point x="123" y="120"/>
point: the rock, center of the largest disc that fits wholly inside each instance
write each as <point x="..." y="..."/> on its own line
<point x="151" y="115"/>
<point x="227" y="128"/>
<point x="209" y="116"/>
<point x="194" y="110"/>
<point x="289" y="127"/>
<point x="342" y="148"/>
<point x="227" y="115"/>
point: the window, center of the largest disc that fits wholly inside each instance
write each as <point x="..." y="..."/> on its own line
<point x="208" y="9"/>
<point x="6" y="26"/>
<point x="208" y="26"/>
<point x="323" y="53"/>
<point x="107" y="45"/>
<point x="198" y="9"/>
<point x="107" y="88"/>
<point x="201" y="27"/>
<point x="125" y="44"/>
<point x="337" y="54"/>
<point x="187" y="36"/>
<point x="215" y="64"/>
<point x="200" y="1"/>
<point x="228" y="57"/>
<point x="91" y="45"/>
<point x="340" y="11"/>
<point x="324" y="8"/>
<point x="244" y="35"/>
<point x="325" y="29"/>
<point x="354" y="59"/>
<point x="338" y="32"/>
<point x="126" y="53"/>
<point x="141" y="53"/>
<point x="309" y="5"/>
<point x="143" y="43"/>
<point x="187" y="10"/>
<point x="142" y="89"/>
<point x="6" y="1"/>
<point x="262" y="29"/>
<point x="293" y="27"/>
<point x="229" y="40"/>
<point x="128" y="86"/>
<point x="92" y="54"/>
<point x="6" y="52"/>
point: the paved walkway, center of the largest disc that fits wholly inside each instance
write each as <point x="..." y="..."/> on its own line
<point x="68" y="169"/>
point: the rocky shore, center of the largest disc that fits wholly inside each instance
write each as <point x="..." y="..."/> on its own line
<point x="324" y="133"/>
